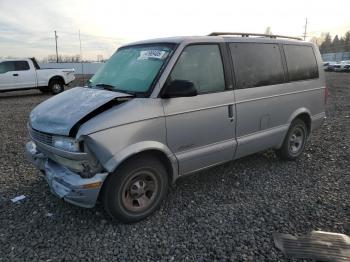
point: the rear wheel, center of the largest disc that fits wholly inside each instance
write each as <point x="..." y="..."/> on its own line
<point x="56" y="86"/>
<point x="294" y="142"/>
<point x="136" y="189"/>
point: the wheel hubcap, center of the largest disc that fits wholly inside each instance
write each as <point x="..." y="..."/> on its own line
<point x="296" y="140"/>
<point x="56" y="88"/>
<point x="140" y="191"/>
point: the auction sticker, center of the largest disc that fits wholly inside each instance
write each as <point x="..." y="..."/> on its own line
<point x="155" y="54"/>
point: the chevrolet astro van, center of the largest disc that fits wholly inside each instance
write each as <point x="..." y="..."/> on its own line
<point x="161" y="109"/>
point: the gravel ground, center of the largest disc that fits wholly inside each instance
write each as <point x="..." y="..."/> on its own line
<point x="225" y="213"/>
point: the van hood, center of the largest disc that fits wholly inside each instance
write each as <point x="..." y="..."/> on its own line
<point x="59" y="114"/>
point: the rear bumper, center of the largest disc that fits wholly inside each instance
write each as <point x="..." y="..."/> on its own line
<point x="65" y="183"/>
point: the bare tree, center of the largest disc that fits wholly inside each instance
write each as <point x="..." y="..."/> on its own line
<point x="99" y="58"/>
<point x="62" y="59"/>
<point x="268" y="31"/>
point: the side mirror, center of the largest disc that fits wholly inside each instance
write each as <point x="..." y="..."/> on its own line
<point x="179" y="88"/>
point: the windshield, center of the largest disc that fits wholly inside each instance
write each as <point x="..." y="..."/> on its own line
<point x="132" y="69"/>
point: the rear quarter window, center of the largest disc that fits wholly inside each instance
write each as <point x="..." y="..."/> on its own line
<point x="21" y="65"/>
<point x="257" y="64"/>
<point x="301" y="62"/>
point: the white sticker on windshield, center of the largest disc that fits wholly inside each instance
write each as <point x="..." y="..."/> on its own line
<point x="157" y="54"/>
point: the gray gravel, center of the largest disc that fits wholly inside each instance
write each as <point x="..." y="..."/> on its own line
<point x="225" y="213"/>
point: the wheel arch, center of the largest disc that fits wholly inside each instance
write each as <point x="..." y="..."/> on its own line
<point x="154" y="148"/>
<point x="57" y="77"/>
<point x="303" y="114"/>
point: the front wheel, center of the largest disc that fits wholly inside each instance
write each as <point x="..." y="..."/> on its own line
<point x="294" y="142"/>
<point x="56" y="86"/>
<point x="136" y="189"/>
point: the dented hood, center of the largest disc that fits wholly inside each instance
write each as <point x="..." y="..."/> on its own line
<point x="59" y="114"/>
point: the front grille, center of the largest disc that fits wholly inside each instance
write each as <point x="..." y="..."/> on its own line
<point x="40" y="136"/>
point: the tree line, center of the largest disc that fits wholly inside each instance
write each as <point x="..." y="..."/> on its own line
<point x="328" y="44"/>
<point x="62" y="59"/>
<point x="69" y="59"/>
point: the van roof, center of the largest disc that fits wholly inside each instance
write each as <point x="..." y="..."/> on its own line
<point x="224" y="38"/>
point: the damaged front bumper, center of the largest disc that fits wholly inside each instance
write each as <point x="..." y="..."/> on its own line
<point x="65" y="183"/>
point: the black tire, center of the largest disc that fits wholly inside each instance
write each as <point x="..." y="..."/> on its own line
<point x="120" y="198"/>
<point x="56" y="86"/>
<point x="294" y="142"/>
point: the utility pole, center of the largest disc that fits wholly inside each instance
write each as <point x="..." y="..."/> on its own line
<point x="81" y="59"/>
<point x="56" y="46"/>
<point x="305" y="29"/>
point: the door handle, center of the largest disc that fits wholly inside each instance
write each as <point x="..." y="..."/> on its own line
<point x="15" y="74"/>
<point x="230" y="112"/>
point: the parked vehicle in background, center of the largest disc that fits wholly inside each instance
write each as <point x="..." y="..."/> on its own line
<point x="347" y="68"/>
<point x="161" y="109"/>
<point x="329" y="66"/>
<point x="337" y="67"/>
<point x="344" y="66"/>
<point x="19" y="74"/>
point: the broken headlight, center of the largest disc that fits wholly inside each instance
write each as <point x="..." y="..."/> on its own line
<point x="66" y="143"/>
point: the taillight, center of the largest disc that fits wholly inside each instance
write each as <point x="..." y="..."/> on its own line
<point x="325" y="94"/>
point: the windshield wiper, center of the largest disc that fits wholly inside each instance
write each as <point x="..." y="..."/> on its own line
<point x="105" y="86"/>
<point x="114" y="88"/>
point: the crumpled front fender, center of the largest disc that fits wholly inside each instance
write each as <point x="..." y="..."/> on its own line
<point x="140" y="147"/>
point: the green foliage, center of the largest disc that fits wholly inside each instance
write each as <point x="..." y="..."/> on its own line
<point x="341" y="44"/>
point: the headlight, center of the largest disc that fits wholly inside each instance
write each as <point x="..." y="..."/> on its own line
<point x="66" y="143"/>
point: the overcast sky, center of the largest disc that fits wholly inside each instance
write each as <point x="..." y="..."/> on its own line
<point x="27" y="26"/>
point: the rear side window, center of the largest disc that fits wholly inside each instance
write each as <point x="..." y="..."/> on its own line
<point x="257" y="64"/>
<point x="301" y="62"/>
<point x="202" y="65"/>
<point x="21" y="65"/>
<point x="7" y="66"/>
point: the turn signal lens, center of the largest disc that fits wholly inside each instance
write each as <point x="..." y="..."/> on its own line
<point x="92" y="185"/>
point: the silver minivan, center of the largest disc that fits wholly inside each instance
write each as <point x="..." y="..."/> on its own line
<point x="165" y="108"/>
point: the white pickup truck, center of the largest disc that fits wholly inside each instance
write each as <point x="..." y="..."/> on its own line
<point x="18" y="74"/>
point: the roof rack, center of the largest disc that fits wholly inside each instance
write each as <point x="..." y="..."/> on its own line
<point x="254" y="34"/>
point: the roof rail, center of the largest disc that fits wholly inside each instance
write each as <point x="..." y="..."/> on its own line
<point x="254" y="34"/>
